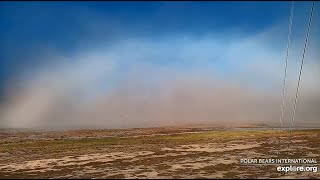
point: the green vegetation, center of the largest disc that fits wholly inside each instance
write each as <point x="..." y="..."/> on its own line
<point x="213" y="136"/>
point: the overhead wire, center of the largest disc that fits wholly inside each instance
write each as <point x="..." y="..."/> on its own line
<point x="300" y="72"/>
<point x="285" y="69"/>
<point x="286" y="64"/>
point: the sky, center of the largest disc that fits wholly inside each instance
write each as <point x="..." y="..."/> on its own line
<point x="142" y="64"/>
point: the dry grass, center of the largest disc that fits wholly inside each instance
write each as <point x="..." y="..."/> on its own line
<point x="165" y="153"/>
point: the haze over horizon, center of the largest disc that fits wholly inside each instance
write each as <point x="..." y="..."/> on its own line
<point x="72" y="65"/>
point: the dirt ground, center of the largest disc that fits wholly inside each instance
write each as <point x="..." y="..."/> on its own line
<point x="153" y="153"/>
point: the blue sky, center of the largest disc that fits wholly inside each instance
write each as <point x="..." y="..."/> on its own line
<point x="93" y="47"/>
<point x="29" y="27"/>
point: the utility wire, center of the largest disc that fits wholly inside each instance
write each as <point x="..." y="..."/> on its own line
<point x="300" y="73"/>
<point x="286" y="64"/>
<point x="301" y="66"/>
<point x="285" y="69"/>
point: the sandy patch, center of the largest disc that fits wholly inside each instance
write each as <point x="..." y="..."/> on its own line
<point x="211" y="147"/>
<point x="48" y="164"/>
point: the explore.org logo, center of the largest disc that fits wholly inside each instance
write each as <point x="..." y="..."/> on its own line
<point x="285" y="165"/>
<point x="297" y="168"/>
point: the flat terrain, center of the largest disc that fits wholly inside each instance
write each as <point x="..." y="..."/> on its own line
<point x="153" y="153"/>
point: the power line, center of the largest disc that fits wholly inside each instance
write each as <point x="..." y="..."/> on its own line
<point x="285" y="68"/>
<point x="301" y="66"/>
<point x="286" y="63"/>
<point x="300" y="72"/>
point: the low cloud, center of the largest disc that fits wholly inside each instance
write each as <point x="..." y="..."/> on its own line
<point x="173" y="81"/>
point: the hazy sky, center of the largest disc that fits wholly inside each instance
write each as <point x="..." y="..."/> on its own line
<point x="139" y="64"/>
